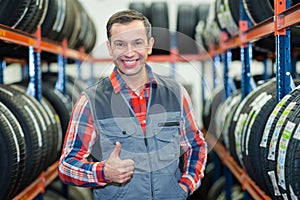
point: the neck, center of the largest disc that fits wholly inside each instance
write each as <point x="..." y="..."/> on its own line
<point x="136" y="82"/>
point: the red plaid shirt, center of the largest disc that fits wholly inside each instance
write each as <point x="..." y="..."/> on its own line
<point x="74" y="168"/>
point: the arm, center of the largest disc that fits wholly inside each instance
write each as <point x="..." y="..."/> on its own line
<point x="194" y="143"/>
<point x="74" y="168"/>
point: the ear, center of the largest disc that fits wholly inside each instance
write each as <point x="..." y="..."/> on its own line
<point x="150" y="46"/>
<point x="109" y="47"/>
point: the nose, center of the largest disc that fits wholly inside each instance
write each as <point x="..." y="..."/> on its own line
<point x="130" y="50"/>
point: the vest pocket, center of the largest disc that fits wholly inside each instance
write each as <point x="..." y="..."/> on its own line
<point x="168" y="142"/>
<point x="111" y="191"/>
<point x="111" y="131"/>
<point x="167" y="187"/>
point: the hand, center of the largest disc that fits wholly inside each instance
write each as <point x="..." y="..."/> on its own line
<point x="184" y="187"/>
<point x="117" y="170"/>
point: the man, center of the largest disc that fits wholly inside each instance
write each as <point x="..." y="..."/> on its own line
<point x="135" y="124"/>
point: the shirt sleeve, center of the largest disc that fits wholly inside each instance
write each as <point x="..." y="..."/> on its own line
<point x="195" y="147"/>
<point x="74" y="167"/>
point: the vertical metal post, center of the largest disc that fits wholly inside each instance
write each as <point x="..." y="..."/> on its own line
<point x="174" y="53"/>
<point x="246" y="52"/>
<point x="283" y="65"/>
<point x="246" y="57"/>
<point x="216" y="64"/>
<point x="78" y="64"/>
<point x="34" y="87"/>
<point x="229" y="182"/>
<point x="202" y="81"/>
<point x="61" y="80"/>
<point x="3" y="65"/>
<point x="217" y="167"/>
<point x="227" y="58"/>
<point x="283" y="51"/>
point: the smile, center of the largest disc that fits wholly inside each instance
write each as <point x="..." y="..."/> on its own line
<point x="130" y="62"/>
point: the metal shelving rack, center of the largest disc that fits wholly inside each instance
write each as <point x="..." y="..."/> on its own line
<point x="36" y="45"/>
<point x="284" y="17"/>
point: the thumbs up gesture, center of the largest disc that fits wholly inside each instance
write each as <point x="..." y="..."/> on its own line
<point x="118" y="170"/>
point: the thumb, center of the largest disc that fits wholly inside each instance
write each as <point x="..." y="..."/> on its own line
<point x="117" y="150"/>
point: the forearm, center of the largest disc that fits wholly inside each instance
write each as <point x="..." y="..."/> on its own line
<point x="194" y="164"/>
<point x="81" y="173"/>
<point x="74" y="168"/>
<point x="196" y="148"/>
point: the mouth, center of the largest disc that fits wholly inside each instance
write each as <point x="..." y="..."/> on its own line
<point x="131" y="62"/>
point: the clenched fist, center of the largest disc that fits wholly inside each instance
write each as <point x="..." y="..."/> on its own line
<point x="117" y="170"/>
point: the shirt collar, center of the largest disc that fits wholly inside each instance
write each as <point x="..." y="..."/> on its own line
<point x="118" y="83"/>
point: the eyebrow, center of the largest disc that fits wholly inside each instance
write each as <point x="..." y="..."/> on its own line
<point x="139" y="39"/>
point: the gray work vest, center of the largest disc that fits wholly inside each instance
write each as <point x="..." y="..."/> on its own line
<point x="155" y="152"/>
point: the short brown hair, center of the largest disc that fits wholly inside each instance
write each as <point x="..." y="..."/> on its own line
<point x="125" y="17"/>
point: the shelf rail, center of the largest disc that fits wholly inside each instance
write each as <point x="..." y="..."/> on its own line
<point x="246" y="182"/>
<point x="38" y="186"/>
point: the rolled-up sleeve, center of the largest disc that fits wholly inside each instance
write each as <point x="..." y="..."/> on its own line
<point x="195" y="147"/>
<point x="74" y="167"/>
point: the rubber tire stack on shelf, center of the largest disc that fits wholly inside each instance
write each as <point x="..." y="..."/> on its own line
<point x="32" y="133"/>
<point x="260" y="134"/>
<point x="58" y="19"/>
<point x="188" y="17"/>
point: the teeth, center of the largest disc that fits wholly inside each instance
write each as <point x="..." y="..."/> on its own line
<point x="130" y="62"/>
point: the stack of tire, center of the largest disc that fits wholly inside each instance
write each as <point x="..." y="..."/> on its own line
<point x="263" y="137"/>
<point x="187" y="18"/>
<point x="158" y="15"/>
<point x="58" y="19"/>
<point x="224" y="15"/>
<point x="32" y="132"/>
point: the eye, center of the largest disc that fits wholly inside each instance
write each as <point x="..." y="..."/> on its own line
<point x="120" y="44"/>
<point x="139" y="43"/>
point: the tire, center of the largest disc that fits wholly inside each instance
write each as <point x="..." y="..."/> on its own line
<point x="56" y="131"/>
<point x="216" y="101"/>
<point x="253" y="130"/>
<point x="159" y="17"/>
<point x="32" y="133"/>
<point x="140" y="7"/>
<point x="292" y="166"/>
<point x="206" y="184"/>
<point x="231" y="106"/>
<point x="50" y="18"/>
<point x="217" y="188"/>
<point x="39" y="17"/>
<point x="186" y="29"/>
<point x="224" y="16"/>
<point x="239" y="118"/>
<point x="13" y="11"/>
<point x="202" y="12"/>
<point x="212" y="31"/>
<point x="44" y="122"/>
<point x="13" y="153"/>
<point x="259" y="10"/>
<point x="61" y="103"/>
<point x="285" y="112"/>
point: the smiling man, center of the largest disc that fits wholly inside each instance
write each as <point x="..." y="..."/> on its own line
<point x="137" y="126"/>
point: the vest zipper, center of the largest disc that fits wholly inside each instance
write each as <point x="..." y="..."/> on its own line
<point x="151" y="179"/>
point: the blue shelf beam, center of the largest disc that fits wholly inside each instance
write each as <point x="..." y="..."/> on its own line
<point x="284" y="81"/>
<point x="3" y="66"/>
<point x="228" y="84"/>
<point x="62" y="77"/>
<point x="34" y="87"/>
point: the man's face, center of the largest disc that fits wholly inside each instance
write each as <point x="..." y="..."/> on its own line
<point x="129" y="47"/>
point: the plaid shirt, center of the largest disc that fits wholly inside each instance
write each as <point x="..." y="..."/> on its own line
<point x="75" y="169"/>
